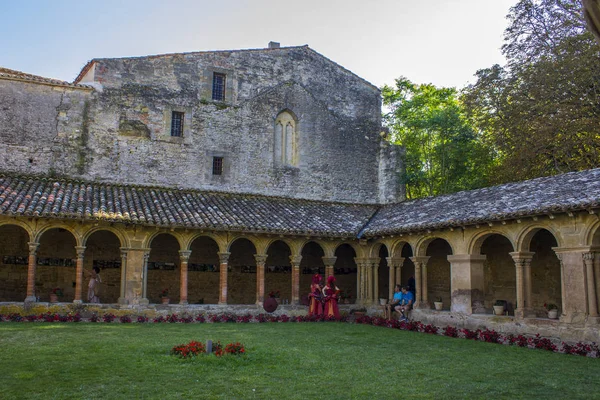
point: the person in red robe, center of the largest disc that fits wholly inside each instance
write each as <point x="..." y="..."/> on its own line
<point x="331" y="293"/>
<point x="315" y="305"/>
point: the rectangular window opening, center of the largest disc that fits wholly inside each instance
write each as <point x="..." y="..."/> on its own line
<point x="218" y="89"/>
<point x="177" y="123"/>
<point x="217" y="165"/>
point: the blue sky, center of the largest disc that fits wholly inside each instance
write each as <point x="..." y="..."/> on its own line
<point x="435" y="41"/>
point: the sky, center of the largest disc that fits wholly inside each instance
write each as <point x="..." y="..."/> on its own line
<point x="443" y="42"/>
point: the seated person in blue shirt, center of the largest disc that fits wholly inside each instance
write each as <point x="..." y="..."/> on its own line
<point x="405" y="304"/>
<point x="395" y="301"/>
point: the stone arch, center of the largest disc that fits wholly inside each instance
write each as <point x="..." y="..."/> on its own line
<point x="474" y="246"/>
<point x="220" y="240"/>
<point x="163" y="267"/>
<point x="14" y="257"/>
<point x="58" y="225"/>
<point x="241" y="277"/>
<point x="523" y="239"/>
<point x="438" y="269"/>
<point x="398" y="246"/>
<point x="358" y="250"/>
<point x="103" y="250"/>
<point x="592" y="234"/>
<point x="30" y="231"/>
<point x="56" y="262"/>
<point x="345" y="269"/>
<point x="203" y="267"/>
<point x="499" y="273"/>
<point x="266" y="244"/>
<point x="181" y="242"/>
<point x="123" y="240"/>
<point x="423" y="244"/>
<point x="375" y="248"/>
<point x="278" y="269"/>
<point x="407" y="272"/>
<point x="546" y="276"/>
<point x="235" y="238"/>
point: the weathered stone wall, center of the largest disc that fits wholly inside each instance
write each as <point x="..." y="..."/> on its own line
<point x="43" y="128"/>
<point x="438" y="271"/>
<point x="121" y="132"/>
<point x="500" y="282"/>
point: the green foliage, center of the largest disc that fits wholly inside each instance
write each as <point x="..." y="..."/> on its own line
<point x="541" y="112"/>
<point x="284" y="361"/>
<point x="444" y="154"/>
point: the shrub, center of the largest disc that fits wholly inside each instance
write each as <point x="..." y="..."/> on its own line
<point x="235" y="349"/>
<point x="125" y="319"/>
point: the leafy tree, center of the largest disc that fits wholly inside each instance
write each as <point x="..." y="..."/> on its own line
<point x="541" y="112"/>
<point x="443" y="153"/>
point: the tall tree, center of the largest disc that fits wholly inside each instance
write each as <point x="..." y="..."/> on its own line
<point x="542" y="110"/>
<point x="443" y="153"/>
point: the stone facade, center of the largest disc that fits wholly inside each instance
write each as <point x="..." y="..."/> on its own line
<point x="114" y="125"/>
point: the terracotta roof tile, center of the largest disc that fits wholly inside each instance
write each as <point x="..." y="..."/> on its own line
<point x="22" y="76"/>
<point x="552" y="194"/>
<point x="65" y="199"/>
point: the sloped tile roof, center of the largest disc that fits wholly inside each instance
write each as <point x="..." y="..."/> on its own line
<point x="22" y="76"/>
<point x="559" y="193"/>
<point x="152" y="206"/>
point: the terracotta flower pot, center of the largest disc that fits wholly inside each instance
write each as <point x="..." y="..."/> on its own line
<point x="499" y="310"/>
<point x="165" y="300"/>
<point x="53" y="298"/>
<point x="553" y="314"/>
<point x="438" y="305"/>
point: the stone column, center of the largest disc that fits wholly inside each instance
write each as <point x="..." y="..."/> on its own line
<point x="122" y="299"/>
<point x="329" y="263"/>
<point x="184" y="256"/>
<point x="391" y="262"/>
<point x="597" y="277"/>
<point x="375" y="268"/>
<point x="144" y="275"/>
<point x="588" y="259"/>
<point x="223" y="259"/>
<point x="80" y="250"/>
<point x="523" y="259"/>
<point x="31" y="267"/>
<point x="261" y="259"/>
<point x="295" y="261"/>
<point x="360" y="277"/>
<point x="466" y="283"/>
<point x="421" y="281"/>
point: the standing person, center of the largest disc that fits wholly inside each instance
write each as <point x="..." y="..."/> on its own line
<point x="94" y="285"/>
<point x="395" y="301"/>
<point x="331" y="293"/>
<point x="315" y="305"/>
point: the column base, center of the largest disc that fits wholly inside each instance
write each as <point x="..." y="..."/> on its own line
<point x="593" y="321"/>
<point x="30" y="299"/>
<point x="77" y="301"/>
<point x="144" y="302"/>
<point x="122" y="300"/>
<point x="423" y="305"/>
<point x="222" y="303"/>
<point x="183" y="302"/>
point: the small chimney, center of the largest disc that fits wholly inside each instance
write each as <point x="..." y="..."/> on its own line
<point x="274" y="45"/>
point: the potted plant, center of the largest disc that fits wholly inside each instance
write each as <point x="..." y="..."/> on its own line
<point x="552" y="310"/>
<point x="499" y="307"/>
<point x="271" y="303"/>
<point x="55" y="294"/>
<point x="164" y="296"/>
<point x="438" y="303"/>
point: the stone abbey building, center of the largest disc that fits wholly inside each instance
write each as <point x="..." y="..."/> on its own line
<point x="222" y="176"/>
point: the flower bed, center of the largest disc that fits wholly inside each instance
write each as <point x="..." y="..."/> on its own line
<point x="487" y="335"/>
<point x="194" y="348"/>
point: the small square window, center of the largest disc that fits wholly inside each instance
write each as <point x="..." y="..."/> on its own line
<point x="217" y="165"/>
<point x="218" y="88"/>
<point x="177" y="123"/>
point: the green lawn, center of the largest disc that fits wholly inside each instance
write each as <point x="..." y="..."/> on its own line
<point x="283" y="361"/>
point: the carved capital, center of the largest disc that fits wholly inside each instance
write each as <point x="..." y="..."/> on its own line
<point x="329" y="261"/>
<point x="261" y="259"/>
<point x="33" y="247"/>
<point x="420" y="261"/>
<point x="295" y="260"/>
<point x="224" y="257"/>
<point x="80" y="250"/>
<point x="395" y="261"/>
<point x="588" y="258"/>
<point x="184" y="255"/>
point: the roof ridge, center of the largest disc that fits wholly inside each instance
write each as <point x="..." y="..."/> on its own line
<point x="14" y="74"/>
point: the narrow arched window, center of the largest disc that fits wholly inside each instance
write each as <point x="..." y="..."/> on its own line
<point x="286" y="140"/>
